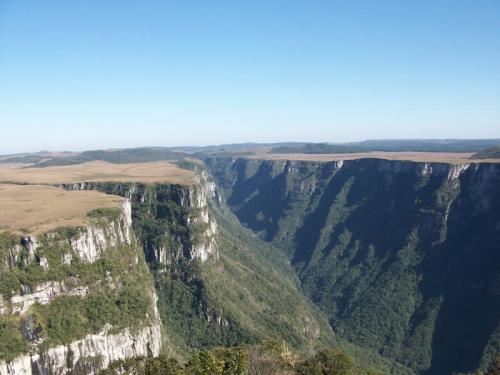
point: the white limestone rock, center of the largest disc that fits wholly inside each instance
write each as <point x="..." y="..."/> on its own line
<point x="94" y="352"/>
<point x="44" y="294"/>
<point x="3" y="307"/>
<point x="44" y="263"/>
<point x="94" y="240"/>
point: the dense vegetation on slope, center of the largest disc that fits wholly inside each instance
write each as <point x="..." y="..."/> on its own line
<point x="269" y="358"/>
<point x="117" y="283"/>
<point x="160" y="219"/>
<point x="207" y="305"/>
<point x="246" y="295"/>
<point x="403" y="257"/>
<point x="260" y="291"/>
<point x="253" y="282"/>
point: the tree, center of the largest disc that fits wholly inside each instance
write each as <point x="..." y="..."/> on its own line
<point x="327" y="362"/>
<point x="204" y="363"/>
<point x="163" y="365"/>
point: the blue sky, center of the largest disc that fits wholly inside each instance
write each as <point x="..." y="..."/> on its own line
<point x="95" y="74"/>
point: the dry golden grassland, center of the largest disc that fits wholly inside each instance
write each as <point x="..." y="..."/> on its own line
<point x="438" y="157"/>
<point x="38" y="208"/>
<point x="98" y="171"/>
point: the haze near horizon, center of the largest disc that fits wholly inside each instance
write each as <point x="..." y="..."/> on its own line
<point x="88" y="75"/>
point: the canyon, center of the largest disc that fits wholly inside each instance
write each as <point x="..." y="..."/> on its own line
<point x="402" y="256"/>
<point x="395" y="261"/>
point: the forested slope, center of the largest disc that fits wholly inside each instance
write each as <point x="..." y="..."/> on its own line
<point x="403" y="257"/>
<point x="218" y="284"/>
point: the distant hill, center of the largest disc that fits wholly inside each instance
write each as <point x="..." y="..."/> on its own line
<point x="484" y="148"/>
<point x="130" y="155"/>
<point x="28" y="159"/>
<point x="488" y="153"/>
<point x="318" y="148"/>
<point x="424" y="145"/>
<point x="140" y="154"/>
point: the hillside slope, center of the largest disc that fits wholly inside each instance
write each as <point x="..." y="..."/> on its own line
<point x="194" y="259"/>
<point x="261" y="291"/>
<point x="402" y="256"/>
<point x="75" y="299"/>
<point x="217" y="284"/>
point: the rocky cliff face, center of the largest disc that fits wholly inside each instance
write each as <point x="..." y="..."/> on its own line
<point x="90" y="354"/>
<point x="93" y="240"/>
<point x="87" y="243"/>
<point x="179" y="215"/>
<point x="402" y="256"/>
<point x="43" y="294"/>
<point x="63" y="277"/>
<point x="178" y="234"/>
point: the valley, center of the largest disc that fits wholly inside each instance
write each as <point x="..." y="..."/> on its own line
<point x="249" y="187"/>
<point x="402" y="256"/>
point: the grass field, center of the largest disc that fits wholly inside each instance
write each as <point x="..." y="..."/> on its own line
<point x="38" y="208"/>
<point x="438" y="157"/>
<point x="98" y="171"/>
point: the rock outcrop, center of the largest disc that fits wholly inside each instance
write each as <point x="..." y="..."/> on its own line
<point x="90" y="354"/>
<point x="44" y="294"/>
<point x="171" y="206"/>
<point x="93" y="240"/>
<point x="86" y="243"/>
<point x="72" y="251"/>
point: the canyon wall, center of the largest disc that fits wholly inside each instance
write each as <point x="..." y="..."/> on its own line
<point x="404" y="257"/>
<point x="68" y="301"/>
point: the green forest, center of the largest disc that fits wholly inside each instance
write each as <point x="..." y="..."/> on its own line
<point x="403" y="261"/>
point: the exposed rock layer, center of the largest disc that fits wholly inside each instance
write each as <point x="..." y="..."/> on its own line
<point x="94" y="351"/>
<point x="90" y="354"/>
<point x="159" y="202"/>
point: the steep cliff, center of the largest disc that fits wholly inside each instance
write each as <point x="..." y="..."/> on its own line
<point x="171" y="221"/>
<point x="197" y="264"/>
<point x="76" y="299"/>
<point x="402" y="256"/>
